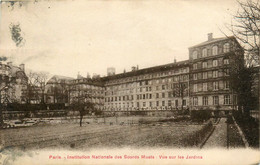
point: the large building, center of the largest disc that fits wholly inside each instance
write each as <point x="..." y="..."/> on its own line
<point x="156" y="88"/>
<point x="201" y="82"/>
<point x="211" y="63"/>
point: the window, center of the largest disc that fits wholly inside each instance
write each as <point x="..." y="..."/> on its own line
<point x="195" y="76"/>
<point x="157" y="103"/>
<point x="169" y="103"/>
<point x="215" y="73"/>
<point x="204" y="65"/>
<point x="157" y="88"/>
<point x="215" y="85"/>
<point x="215" y="63"/>
<point x="176" y="103"/>
<point x="195" y="101"/>
<point x="163" y="103"/>
<point x="205" y="75"/>
<point x="195" y="66"/>
<point x="163" y="87"/>
<point x="195" y="88"/>
<point x="226" y="99"/>
<point x="226" y="84"/>
<point x="157" y="95"/>
<point x="226" y="61"/>
<point x="137" y="104"/>
<point x="215" y="100"/>
<point x="195" y="55"/>
<point x="184" y="102"/>
<point x="215" y="50"/>
<point x="150" y="96"/>
<point x="226" y="72"/>
<point x="144" y="104"/>
<point x="226" y="48"/>
<point x="150" y="104"/>
<point x="205" y="86"/>
<point x="204" y="52"/>
<point x="205" y="100"/>
<point x="163" y="95"/>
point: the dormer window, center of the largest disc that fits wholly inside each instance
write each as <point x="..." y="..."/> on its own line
<point x="204" y="52"/>
<point x="195" y="55"/>
<point x="215" y="50"/>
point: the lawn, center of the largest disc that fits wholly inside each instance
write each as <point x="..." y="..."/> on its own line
<point x="120" y="132"/>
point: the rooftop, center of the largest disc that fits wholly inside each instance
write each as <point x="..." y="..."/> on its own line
<point x="148" y="70"/>
<point x="212" y="41"/>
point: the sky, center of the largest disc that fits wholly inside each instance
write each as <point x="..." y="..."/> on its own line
<point x="76" y="36"/>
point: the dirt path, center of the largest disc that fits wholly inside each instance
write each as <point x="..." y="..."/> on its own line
<point x="219" y="136"/>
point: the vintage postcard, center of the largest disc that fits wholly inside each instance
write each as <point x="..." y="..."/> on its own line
<point x="129" y="82"/>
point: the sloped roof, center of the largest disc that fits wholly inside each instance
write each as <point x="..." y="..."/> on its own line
<point x="57" y="78"/>
<point x="212" y="41"/>
<point x="148" y="70"/>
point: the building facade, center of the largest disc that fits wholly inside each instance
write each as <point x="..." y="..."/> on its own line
<point x="200" y="83"/>
<point x="87" y="90"/>
<point x="211" y="64"/>
<point x="149" y="89"/>
<point x="13" y="83"/>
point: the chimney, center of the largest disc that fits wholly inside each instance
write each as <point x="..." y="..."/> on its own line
<point x="111" y="71"/>
<point x="21" y="67"/>
<point x="175" y="60"/>
<point x="78" y="76"/>
<point x="210" y="36"/>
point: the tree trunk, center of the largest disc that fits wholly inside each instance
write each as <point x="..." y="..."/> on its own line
<point x="80" y="120"/>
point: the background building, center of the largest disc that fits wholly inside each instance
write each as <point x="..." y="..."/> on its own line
<point x="13" y="83"/>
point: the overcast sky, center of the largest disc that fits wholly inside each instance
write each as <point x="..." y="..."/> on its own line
<point x="68" y="37"/>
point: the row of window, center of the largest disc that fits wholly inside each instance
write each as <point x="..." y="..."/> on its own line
<point x="150" y="104"/>
<point x="149" y="82"/>
<point x="227" y="100"/>
<point x="205" y="102"/>
<point x="176" y="71"/>
<point x="215" y="51"/>
<point x="215" y="86"/>
<point x="214" y="64"/>
<point x="142" y="96"/>
<point x="210" y="74"/>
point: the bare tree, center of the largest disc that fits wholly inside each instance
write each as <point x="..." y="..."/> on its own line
<point x="5" y="98"/>
<point x="180" y="90"/>
<point x="246" y="29"/>
<point x="36" y="87"/>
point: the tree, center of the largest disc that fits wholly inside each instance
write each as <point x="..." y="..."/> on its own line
<point x="246" y="29"/>
<point x="180" y="90"/>
<point x="83" y="107"/>
<point x="36" y="87"/>
<point x="5" y="98"/>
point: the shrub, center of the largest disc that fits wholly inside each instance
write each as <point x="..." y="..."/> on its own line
<point x="197" y="137"/>
<point x="200" y="115"/>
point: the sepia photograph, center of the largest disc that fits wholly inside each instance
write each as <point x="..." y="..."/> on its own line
<point x="129" y="82"/>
